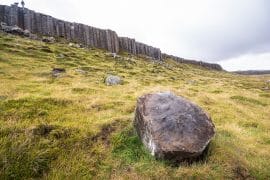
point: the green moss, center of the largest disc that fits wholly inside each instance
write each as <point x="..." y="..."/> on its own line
<point x="30" y="108"/>
<point x="248" y="100"/>
<point x="25" y="160"/>
<point x="76" y="127"/>
<point x="267" y="95"/>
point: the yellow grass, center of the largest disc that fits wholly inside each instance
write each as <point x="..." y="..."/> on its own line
<point x="76" y="127"/>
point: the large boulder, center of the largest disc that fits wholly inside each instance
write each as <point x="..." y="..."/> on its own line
<point x="172" y="127"/>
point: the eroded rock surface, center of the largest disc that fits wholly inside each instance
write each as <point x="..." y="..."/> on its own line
<point x="172" y="127"/>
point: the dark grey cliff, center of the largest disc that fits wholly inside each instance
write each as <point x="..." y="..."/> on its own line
<point x="188" y="61"/>
<point x="45" y="25"/>
<point x="253" y="72"/>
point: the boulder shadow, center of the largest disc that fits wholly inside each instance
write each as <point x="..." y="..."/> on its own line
<point x="177" y="161"/>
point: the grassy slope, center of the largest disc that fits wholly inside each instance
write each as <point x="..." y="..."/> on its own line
<point x="75" y="126"/>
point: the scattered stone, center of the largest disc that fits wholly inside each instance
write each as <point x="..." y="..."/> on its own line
<point x="3" y="98"/>
<point x="112" y="80"/>
<point x="114" y="55"/>
<point x="58" y="72"/>
<point x="75" y="45"/>
<point x="172" y="127"/>
<point x="33" y="36"/>
<point x="80" y="71"/>
<point x="192" y="82"/>
<point x="26" y="33"/>
<point x="61" y="56"/>
<point x="42" y="130"/>
<point x="48" y="39"/>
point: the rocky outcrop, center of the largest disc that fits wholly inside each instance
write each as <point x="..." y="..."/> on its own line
<point x="172" y="127"/>
<point x="44" y="25"/>
<point x="187" y="61"/>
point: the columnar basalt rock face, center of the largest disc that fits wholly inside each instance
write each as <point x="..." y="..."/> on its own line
<point x="148" y="50"/>
<point x="188" y="61"/>
<point x="128" y="44"/>
<point x="45" y="25"/>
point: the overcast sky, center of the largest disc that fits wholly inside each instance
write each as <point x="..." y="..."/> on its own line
<point x="233" y="33"/>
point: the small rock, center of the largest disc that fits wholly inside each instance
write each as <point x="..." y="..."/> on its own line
<point x="80" y="71"/>
<point x="75" y="45"/>
<point x="3" y="98"/>
<point x="48" y="39"/>
<point x="112" y="80"/>
<point x="58" y="72"/>
<point x="26" y="33"/>
<point x="192" y="82"/>
<point x="61" y="56"/>
<point x="42" y="130"/>
<point x="172" y="127"/>
<point x="33" y="36"/>
<point x="114" y="55"/>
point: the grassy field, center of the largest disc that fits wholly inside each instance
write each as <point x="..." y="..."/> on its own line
<point x="76" y="127"/>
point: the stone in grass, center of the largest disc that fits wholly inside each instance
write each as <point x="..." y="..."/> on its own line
<point x="112" y="80"/>
<point x="172" y="127"/>
<point x="80" y="71"/>
<point x="42" y="130"/>
<point x="60" y="56"/>
<point x="48" y="39"/>
<point x="58" y="72"/>
<point x="3" y="97"/>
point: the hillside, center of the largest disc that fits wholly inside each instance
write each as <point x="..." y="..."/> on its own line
<point x="35" y="23"/>
<point x="253" y="72"/>
<point x="76" y="127"/>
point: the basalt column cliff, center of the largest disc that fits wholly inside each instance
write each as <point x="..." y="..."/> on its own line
<point x="45" y="25"/>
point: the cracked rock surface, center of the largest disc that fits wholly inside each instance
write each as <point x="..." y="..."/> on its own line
<point x="172" y="127"/>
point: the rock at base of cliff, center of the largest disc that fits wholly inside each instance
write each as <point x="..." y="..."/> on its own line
<point x="48" y="39"/>
<point x="11" y="29"/>
<point x="172" y="127"/>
